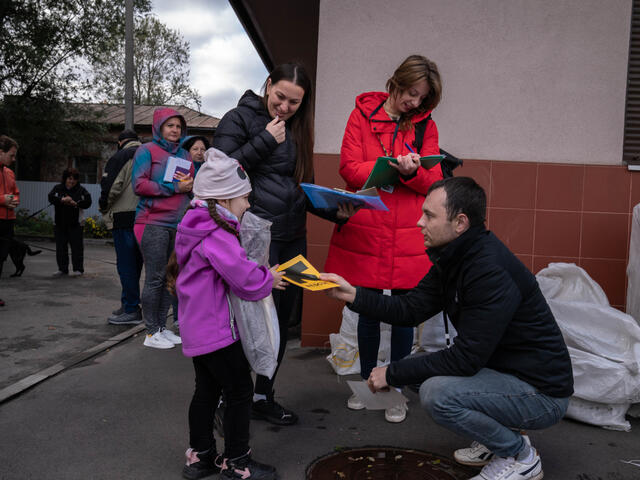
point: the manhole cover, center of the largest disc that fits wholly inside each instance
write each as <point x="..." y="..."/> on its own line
<point x="388" y="463"/>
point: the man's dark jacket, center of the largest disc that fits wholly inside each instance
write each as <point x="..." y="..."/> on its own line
<point x="276" y="194"/>
<point x="111" y="171"/>
<point x="502" y="319"/>
<point x="67" y="215"/>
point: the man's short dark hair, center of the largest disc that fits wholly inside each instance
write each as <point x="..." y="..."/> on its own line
<point x="464" y="195"/>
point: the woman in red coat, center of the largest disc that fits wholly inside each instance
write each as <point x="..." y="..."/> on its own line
<point x="385" y="250"/>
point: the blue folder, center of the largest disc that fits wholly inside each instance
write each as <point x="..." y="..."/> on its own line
<point x="323" y="197"/>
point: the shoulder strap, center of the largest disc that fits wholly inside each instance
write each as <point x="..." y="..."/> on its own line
<point x="420" y="128"/>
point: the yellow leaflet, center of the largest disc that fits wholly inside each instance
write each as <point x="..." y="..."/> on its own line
<point x="300" y="272"/>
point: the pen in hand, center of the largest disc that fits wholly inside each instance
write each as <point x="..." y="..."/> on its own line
<point x="409" y="147"/>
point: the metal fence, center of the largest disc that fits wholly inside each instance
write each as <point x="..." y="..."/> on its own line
<point x="34" y="196"/>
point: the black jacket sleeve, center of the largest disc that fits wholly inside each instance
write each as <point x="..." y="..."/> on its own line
<point x="489" y="300"/>
<point x="85" y="199"/>
<point x="111" y="171"/>
<point x="233" y="138"/>
<point x="54" y="199"/>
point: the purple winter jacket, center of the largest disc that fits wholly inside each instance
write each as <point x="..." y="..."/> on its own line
<point x="212" y="262"/>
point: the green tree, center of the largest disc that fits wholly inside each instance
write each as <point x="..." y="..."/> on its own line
<point x="44" y="45"/>
<point x="161" y="67"/>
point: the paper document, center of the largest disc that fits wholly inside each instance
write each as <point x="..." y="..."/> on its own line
<point x="176" y="164"/>
<point x="378" y="400"/>
<point x="323" y="197"/>
<point x="300" y="272"/>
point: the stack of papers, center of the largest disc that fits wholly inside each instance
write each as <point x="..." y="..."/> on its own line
<point x="176" y="165"/>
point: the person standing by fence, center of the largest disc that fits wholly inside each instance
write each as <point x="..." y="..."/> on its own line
<point x="68" y="197"/>
<point x="9" y="197"/>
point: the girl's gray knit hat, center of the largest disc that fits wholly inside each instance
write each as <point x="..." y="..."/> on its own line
<point x="220" y="177"/>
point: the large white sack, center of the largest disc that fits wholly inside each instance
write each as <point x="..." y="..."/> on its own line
<point x="633" y="268"/>
<point x="609" y="416"/>
<point x="600" y="380"/>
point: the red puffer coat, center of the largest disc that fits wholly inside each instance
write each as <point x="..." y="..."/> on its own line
<point x="382" y="249"/>
<point x="8" y="186"/>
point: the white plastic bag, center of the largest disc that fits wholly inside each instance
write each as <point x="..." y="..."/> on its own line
<point x="603" y="343"/>
<point x="430" y="335"/>
<point x="633" y="268"/>
<point x="609" y="416"/>
<point x="257" y="321"/>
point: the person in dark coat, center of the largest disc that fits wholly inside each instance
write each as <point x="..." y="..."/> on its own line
<point x="508" y="369"/>
<point x="68" y="197"/>
<point x="272" y="137"/>
<point x="118" y="204"/>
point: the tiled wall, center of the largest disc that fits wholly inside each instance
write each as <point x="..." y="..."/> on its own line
<point x="543" y="212"/>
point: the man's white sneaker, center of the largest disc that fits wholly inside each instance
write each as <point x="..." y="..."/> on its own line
<point x="509" y="468"/>
<point x="157" y="340"/>
<point x="477" y="455"/>
<point x="354" y="403"/>
<point x="396" y="414"/>
<point x="172" y="337"/>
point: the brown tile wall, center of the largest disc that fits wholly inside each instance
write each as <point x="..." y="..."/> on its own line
<point x="543" y="212"/>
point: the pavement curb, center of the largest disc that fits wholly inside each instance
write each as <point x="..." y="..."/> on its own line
<point x="28" y="382"/>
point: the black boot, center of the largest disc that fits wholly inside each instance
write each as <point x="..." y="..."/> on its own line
<point x="245" y="467"/>
<point x="201" y="464"/>
<point x="272" y="412"/>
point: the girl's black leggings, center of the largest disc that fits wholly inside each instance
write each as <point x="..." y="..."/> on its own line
<point x="223" y="371"/>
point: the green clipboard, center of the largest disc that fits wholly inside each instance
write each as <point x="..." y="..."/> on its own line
<point x="383" y="174"/>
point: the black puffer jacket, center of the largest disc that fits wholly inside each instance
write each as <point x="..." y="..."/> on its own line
<point x="276" y="195"/>
<point x="502" y="319"/>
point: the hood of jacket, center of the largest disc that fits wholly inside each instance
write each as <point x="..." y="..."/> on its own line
<point x="253" y="101"/>
<point x="161" y="115"/>
<point x="195" y="226"/>
<point x="369" y="104"/>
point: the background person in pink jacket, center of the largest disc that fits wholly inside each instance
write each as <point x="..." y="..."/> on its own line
<point x="9" y="196"/>
<point x="208" y="263"/>
<point x="161" y="206"/>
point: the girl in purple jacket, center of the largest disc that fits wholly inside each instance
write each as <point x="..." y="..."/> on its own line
<point x="209" y="262"/>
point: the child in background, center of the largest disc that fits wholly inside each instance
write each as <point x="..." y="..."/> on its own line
<point x="208" y="262"/>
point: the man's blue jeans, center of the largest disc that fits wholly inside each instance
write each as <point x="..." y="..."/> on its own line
<point x="129" y="264"/>
<point x="490" y="407"/>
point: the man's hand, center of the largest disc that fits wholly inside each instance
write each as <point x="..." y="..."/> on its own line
<point x="377" y="381"/>
<point x="345" y="292"/>
<point x="346" y="210"/>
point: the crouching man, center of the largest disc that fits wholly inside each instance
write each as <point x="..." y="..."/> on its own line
<point x="508" y="369"/>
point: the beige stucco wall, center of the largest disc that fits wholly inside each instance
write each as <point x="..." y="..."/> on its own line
<point x="524" y="80"/>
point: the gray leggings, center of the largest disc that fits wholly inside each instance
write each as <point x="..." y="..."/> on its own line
<point x="156" y="245"/>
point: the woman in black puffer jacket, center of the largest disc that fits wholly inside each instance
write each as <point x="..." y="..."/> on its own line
<point x="272" y="137"/>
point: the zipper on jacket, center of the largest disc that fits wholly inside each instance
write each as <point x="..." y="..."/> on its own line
<point x="231" y="319"/>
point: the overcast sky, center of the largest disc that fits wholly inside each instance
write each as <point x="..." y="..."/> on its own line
<point x="224" y="62"/>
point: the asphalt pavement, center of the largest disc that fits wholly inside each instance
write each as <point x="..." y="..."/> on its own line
<point x="118" y="410"/>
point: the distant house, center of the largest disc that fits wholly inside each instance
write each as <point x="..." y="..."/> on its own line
<point x="91" y="162"/>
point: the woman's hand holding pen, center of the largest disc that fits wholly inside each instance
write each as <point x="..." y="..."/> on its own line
<point x="407" y="164"/>
<point x="185" y="182"/>
<point x="276" y="128"/>
<point x="278" y="280"/>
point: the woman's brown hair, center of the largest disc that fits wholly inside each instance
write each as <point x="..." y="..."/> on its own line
<point x="414" y="69"/>
<point x="172" y="265"/>
<point x="301" y="123"/>
<point x="7" y="143"/>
